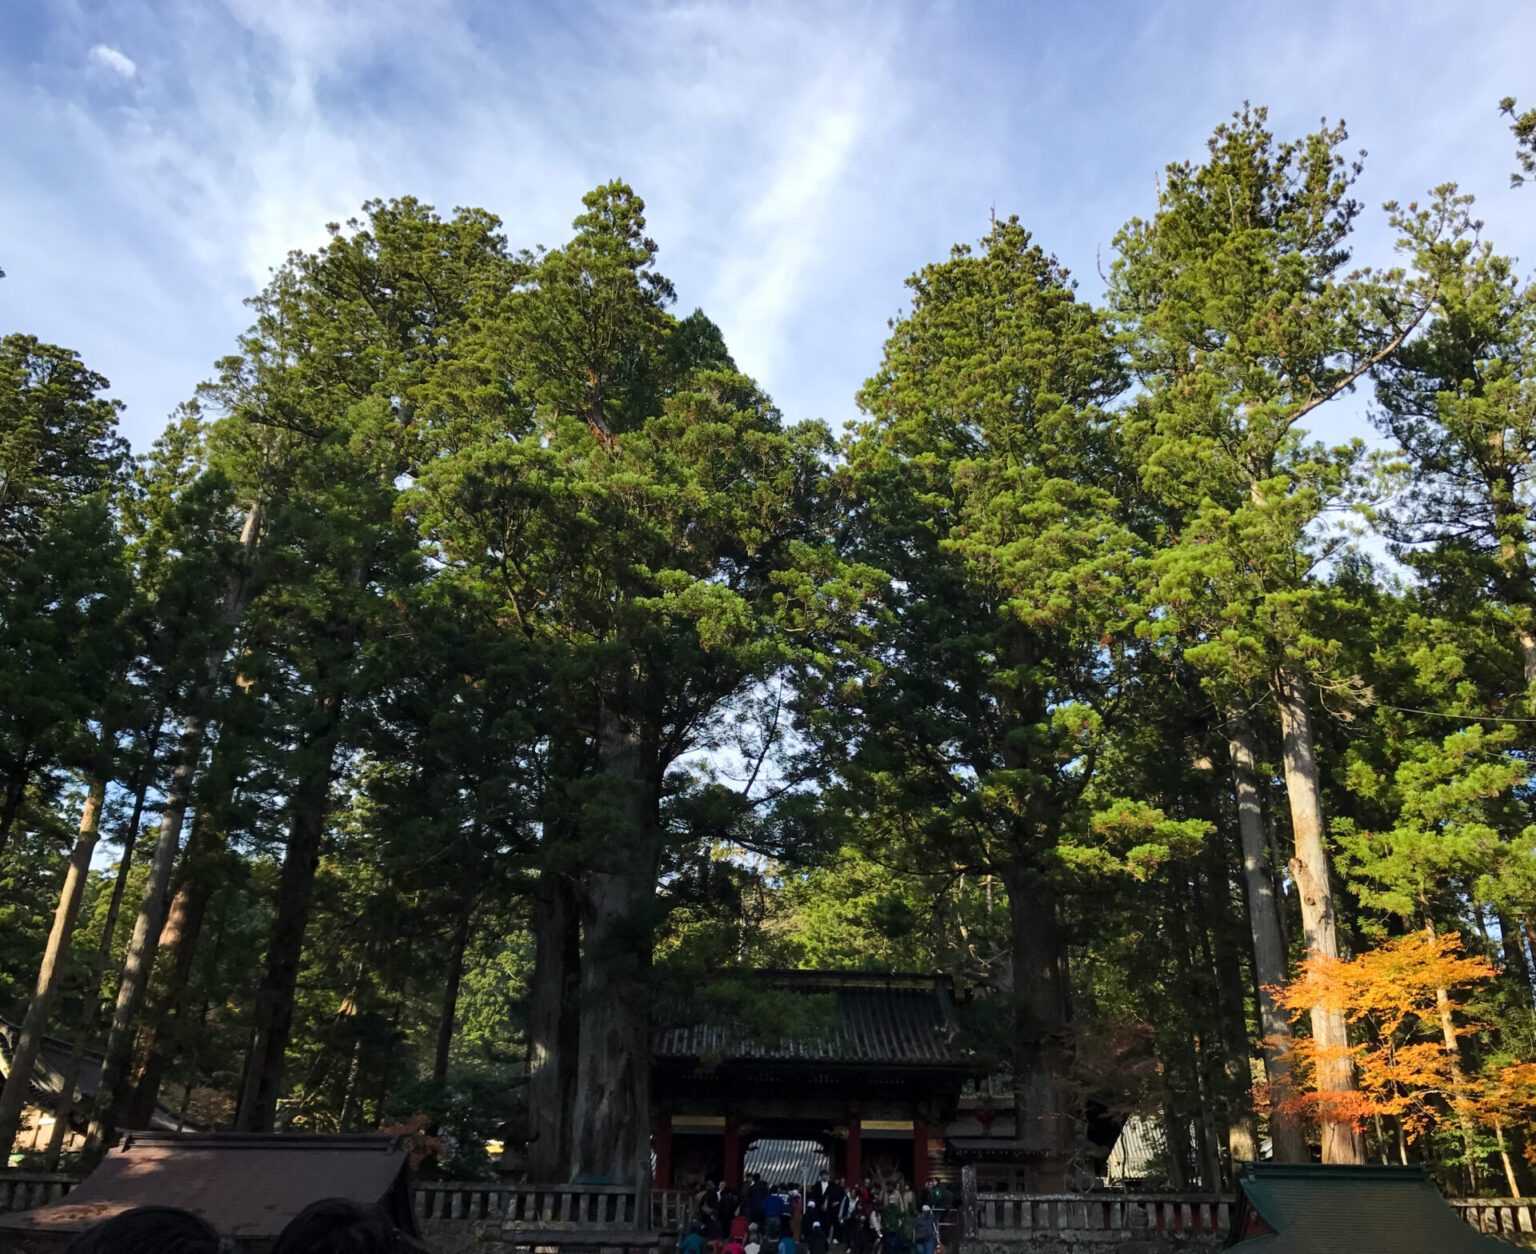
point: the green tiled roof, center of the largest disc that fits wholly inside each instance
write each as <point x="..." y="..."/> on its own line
<point x="1349" y="1210"/>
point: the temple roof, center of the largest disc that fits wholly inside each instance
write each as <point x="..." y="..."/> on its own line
<point x="900" y="1020"/>
<point x="48" y="1077"/>
<point x="246" y="1185"/>
<point x="1306" y="1208"/>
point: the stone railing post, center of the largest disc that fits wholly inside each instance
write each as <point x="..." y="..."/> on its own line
<point x="970" y="1213"/>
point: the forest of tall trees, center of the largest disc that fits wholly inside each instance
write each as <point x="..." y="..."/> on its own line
<point x="479" y="656"/>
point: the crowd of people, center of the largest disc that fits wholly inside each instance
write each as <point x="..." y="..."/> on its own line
<point x="878" y="1215"/>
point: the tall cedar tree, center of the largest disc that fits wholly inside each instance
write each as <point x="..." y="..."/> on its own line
<point x="626" y="509"/>
<point x="978" y="487"/>
<point x="1242" y="320"/>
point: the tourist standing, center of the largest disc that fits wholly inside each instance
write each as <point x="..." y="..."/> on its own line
<point x="925" y="1232"/>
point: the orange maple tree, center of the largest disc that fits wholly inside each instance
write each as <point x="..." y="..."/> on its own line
<point x="1401" y="1000"/>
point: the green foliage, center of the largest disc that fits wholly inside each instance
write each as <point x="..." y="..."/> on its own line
<point x="1523" y="127"/>
<point x="481" y="566"/>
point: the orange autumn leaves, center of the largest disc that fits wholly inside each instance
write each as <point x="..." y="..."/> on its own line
<point x="1403" y="1000"/>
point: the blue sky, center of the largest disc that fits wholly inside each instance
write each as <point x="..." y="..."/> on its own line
<point x="798" y="160"/>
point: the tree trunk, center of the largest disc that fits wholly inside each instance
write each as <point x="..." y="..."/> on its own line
<point x="140" y="959"/>
<point x="611" y="1119"/>
<point x="1511" y="525"/>
<point x="178" y="940"/>
<point x="1042" y="1044"/>
<point x="1287" y="1139"/>
<point x="610" y="1124"/>
<point x="554" y="992"/>
<point x="451" y="979"/>
<point x="1227" y="967"/>
<point x="90" y="1013"/>
<point x="10" y="807"/>
<point x="1510" y="1178"/>
<point x="178" y="949"/>
<point x="55" y="963"/>
<point x="1513" y="946"/>
<point x="1311" y="872"/>
<point x="1452" y="1043"/>
<point x="309" y="807"/>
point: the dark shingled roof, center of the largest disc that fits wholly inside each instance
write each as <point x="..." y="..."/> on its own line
<point x="891" y="1020"/>
<point x="1292" y="1208"/>
<point x="247" y="1185"/>
<point x="48" y="1077"/>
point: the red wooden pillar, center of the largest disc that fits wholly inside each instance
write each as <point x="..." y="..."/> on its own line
<point x="853" y="1166"/>
<point x="661" y="1141"/>
<point x="730" y="1169"/>
<point x="919" y="1154"/>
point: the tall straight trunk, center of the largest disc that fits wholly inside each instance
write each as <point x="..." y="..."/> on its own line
<point x="1227" y="969"/>
<point x="1043" y="1014"/>
<point x="610" y="1123"/>
<point x="1191" y="989"/>
<point x="554" y="992"/>
<point x="1511" y="524"/>
<point x="178" y="941"/>
<point x="610" y="1120"/>
<point x="10" y="804"/>
<point x="1287" y="1138"/>
<point x="55" y="963"/>
<point x="139" y="962"/>
<point x="1450" y="1039"/>
<point x="1311" y="871"/>
<point x="451" y="978"/>
<point x="1512" y="945"/>
<point x="90" y="1011"/>
<point x="309" y="808"/>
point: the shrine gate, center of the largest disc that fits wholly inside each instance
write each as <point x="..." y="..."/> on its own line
<point x="875" y="1078"/>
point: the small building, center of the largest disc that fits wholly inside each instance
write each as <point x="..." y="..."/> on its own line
<point x="1305" y="1208"/>
<point x="247" y="1185"/>
<point x="45" y="1098"/>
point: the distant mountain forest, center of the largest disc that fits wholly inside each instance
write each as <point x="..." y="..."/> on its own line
<point x="479" y="660"/>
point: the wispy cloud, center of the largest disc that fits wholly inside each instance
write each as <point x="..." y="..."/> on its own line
<point x="798" y="160"/>
<point x="111" y="59"/>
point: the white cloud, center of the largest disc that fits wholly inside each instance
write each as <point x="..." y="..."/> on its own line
<point x="111" y="59"/>
<point x="797" y="160"/>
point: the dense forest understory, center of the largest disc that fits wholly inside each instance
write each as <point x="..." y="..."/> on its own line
<point x="479" y="659"/>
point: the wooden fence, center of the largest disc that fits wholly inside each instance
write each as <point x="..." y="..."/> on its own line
<point x="996" y="1218"/>
<point x="1513" y="1218"/>
<point x="22" y="1190"/>
<point x="999" y="1216"/>
<point x="1007" y="1218"/>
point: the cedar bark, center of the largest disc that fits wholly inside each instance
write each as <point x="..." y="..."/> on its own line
<point x="177" y="945"/>
<point x="15" y="791"/>
<point x="1287" y="1138"/>
<point x="1511" y="524"/>
<point x="451" y="979"/>
<point x="50" y="972"/>
<point x="91" y="1008"/>
<point x="178" y="942"/>
<point x="139" y="962"/>
<point x="553" y="1027"/>
<point x="1043" y="1051"/>
<point x="1311" y="872"/>
<point x="610" y="1120"/>
<point x="1513" y="946"/>
<point x="1227" y="968"/>
<point x="309" y="808"/>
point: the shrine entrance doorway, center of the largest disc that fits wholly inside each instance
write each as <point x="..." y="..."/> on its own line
<point x="873" y="1084"/>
